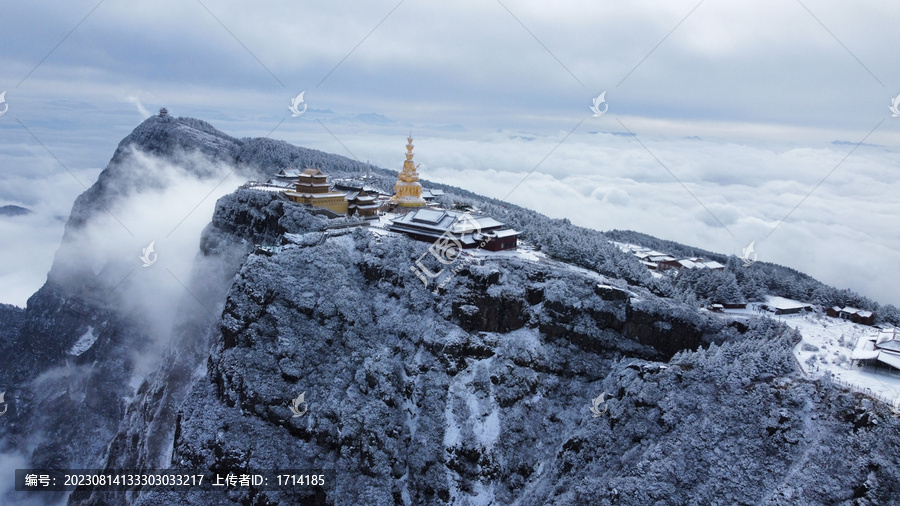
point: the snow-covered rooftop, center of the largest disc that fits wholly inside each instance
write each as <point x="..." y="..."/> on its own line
<point x="886" y="335"/>
<point x="784" y="303"/>
<point x="508" y="232"/>
<point x="865" y="348"/>
<point x="440" y="220"/>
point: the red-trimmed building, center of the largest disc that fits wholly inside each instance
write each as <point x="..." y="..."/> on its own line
<point x="470" y="231"/>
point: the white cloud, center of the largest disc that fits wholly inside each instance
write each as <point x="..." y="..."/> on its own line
<point x="9" y="462"/>
<point x="768" y="68"/>
<point x="140" y="106"/>
<point x="170" y="207"/>
<point x="764" y="87"/>
<point x="845" y="233"/>
<point x="28" y="243"/>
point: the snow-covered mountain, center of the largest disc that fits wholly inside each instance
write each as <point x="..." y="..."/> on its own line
<point x="479" y="393"/>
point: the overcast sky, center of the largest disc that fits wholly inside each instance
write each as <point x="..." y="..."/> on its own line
<point x="727" y="122"/>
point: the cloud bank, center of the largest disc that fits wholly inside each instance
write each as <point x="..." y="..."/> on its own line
<point x="747" y="107"/>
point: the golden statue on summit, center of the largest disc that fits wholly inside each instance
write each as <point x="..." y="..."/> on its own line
<point x="407" y="190"/>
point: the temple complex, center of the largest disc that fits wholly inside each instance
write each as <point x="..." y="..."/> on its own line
<point x="408" y="211"/>
<point x="407" y="190"/>
<point x="312" y="188"/>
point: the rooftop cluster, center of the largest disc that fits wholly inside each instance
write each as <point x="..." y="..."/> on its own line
<point x="659" y="261"/>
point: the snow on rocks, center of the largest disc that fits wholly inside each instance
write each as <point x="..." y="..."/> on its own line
<point x="83" y="343"/>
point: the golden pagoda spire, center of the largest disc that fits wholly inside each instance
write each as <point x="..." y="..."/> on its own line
<point x="408" y="190"/>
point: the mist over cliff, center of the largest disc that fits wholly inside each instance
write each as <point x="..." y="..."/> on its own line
<point x="101" y="322"/>
<point x="475" y="393"/>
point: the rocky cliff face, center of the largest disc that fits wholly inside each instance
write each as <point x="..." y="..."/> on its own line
<point x="74" y="358"/>
<point x="11" y="318"/>
<point x="477" y="392"/>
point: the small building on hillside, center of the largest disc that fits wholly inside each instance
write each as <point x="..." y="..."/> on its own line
<point x="782" y="305"/>
<point x="857" y="315"/>
<point x="500" y="240"/>
<point x="660" y="261"/>
<point x="713" y="265"/>
<point x="431" y="194"/>
<point x="698" y="263"/>
<point x="666" y="262"/>
<point x="313" y="188"/>
<point x="866" y="317"/>
<point x="469" y="231"/>
<point x="690" y="263"/>
<point x="625" y="247"/>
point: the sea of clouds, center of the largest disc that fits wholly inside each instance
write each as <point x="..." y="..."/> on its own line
<point x="813" y="208"/>
<point x="806" y="205"/>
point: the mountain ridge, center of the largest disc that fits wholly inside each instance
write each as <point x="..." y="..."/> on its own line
<point x="478" y="393"/>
